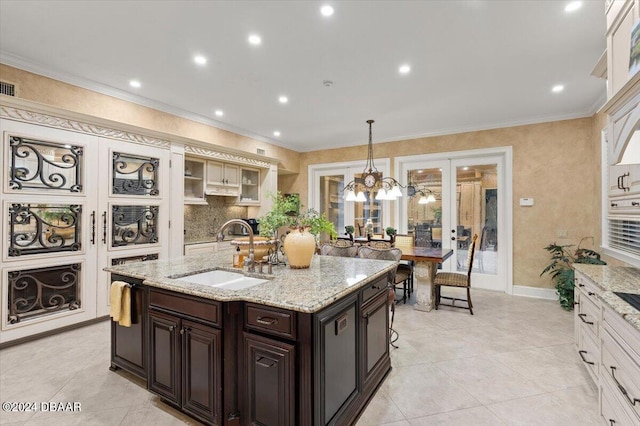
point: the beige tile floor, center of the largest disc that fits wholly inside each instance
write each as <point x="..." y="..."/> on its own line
<point x="512" y="363"/>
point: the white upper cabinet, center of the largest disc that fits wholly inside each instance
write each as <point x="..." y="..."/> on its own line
<point x="222" y="179"/>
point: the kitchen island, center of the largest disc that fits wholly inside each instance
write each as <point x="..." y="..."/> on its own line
<point x="302" y="347"/>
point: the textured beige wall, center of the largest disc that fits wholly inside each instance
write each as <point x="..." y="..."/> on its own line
<point x="556" y="163"/>
<point x="72" y="98"/>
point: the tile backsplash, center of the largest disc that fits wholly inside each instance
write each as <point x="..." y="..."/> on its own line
<point x="202" y="222"/>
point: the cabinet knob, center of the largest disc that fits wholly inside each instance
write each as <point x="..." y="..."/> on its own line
<point x="171" y="328"/>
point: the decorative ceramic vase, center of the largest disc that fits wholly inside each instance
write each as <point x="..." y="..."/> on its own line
<point x="299" y="246"/>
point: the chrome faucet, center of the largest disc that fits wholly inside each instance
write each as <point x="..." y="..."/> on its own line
<point x="250" y="263"/>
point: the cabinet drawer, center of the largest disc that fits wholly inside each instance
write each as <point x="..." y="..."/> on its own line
<point x="589" y="352"/>
<point x="374" y="288"/>
<point x="589" y="314"/>
<point x="279" y="322"/>
<point x="623" y="371"/>
<point x="623" y="332"/>
<point x="611" y="411"/>
<point x="588" y="288"/>
<point x="185" y="305"/>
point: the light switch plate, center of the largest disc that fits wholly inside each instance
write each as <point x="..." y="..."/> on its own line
<point x="526" y="202"/>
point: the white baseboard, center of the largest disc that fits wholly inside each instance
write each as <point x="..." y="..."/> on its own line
<point x="535" y="292"/>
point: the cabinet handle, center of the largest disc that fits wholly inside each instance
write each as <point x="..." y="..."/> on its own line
<point x="590" y="293"/>
<point x="635" y="204"/>
<point x="624" y="188"/>
<point x="104" y="227"/>
<point x="614" y="204"/>
<point x="260" y="362"/>
<point x="267" y="320"/>
<point x="184" y="329"/>
<point x="581" y="353"/>
<point x="580" y="285"/>
<point x="632" y="401"/>
<point x="170" y="328"/>
<point x="611" y="422"/>
<point x="576" y="303"/>
<point x="93" y="227"/>
<point x="583" y="320"/>
<point x="619" y="184"/>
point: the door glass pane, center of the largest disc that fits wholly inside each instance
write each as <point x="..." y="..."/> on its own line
<point x="370" y="209"/>
<point x="477" y="213"/>
<point x="424" y="206"/>
<point x="332" y="201"/>
<point x="43" y="228"/>
<point x="134" y="225"/>
<point x="134" y="175"/>
<point x="40" y="165"/>
<point x="42" y="291"/>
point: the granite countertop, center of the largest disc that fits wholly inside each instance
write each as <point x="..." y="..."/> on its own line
<point x="304" y="290"/>
<point x="612" y="279"/>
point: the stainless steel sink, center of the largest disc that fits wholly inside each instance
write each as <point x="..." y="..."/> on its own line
<point x="223" y="280"/>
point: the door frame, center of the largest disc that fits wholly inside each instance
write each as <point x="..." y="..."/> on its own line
<point x="505" y="201"/>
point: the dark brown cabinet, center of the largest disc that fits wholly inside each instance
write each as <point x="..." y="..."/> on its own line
<point x="129" y="344"/>
<point x="375" y="334"/>
<point x="270" y="381"/>
<point x="185" y="356"/>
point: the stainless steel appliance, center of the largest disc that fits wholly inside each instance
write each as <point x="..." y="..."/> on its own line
<point x="239" y="230"/>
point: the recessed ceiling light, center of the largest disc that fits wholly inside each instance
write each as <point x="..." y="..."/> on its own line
<point x="219" y="113"/>
<point x="326" y="10"/>
<point x="255" y="39"/>
<point x="573" y="6"/>
<point x="276" y="133"/>
<point x="404" y="69"/>
<point x="199" y="59"/>
<point x="283" y="99"/>
<point x="135" y="83"/>
<point x="557" y="88"/>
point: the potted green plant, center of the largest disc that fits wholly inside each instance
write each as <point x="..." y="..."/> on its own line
<point x="562" y="271"/>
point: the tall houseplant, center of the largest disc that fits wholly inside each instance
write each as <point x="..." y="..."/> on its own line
<point x="562" y="271"/>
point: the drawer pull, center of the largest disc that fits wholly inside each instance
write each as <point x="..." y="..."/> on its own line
<point x="632" y="401"/>
<point x="612" y="422"/>
<point x="576" y="303"/>
<point x="583" y="320"/>
<point x="590" y="293"/>
<point x="581" y="353"/>
<point x="267" y="320"/>
<point x="269" y="364"/>
<point x="580" y="285"/>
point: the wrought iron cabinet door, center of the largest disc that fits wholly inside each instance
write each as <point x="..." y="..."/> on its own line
<point x="56" y="187"/>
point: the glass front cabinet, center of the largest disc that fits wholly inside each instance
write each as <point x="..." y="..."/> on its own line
<point x="73" y="203"/>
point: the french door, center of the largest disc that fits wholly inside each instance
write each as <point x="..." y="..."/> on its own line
<point x="452" y="199"/>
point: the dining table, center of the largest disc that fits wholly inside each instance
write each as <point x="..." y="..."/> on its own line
<point x="426" y="265"/>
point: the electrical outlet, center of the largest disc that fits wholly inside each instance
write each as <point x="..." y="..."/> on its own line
<point x="563" y="233"/>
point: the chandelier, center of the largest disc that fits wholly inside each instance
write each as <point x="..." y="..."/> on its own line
<point x="371" y="181"/>
<point x="426" y="195"/>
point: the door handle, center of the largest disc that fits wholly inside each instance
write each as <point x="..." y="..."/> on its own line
<point x="93" y="227"/>
<point x="104" y="227"/>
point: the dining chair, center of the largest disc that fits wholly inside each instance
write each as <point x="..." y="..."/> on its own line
<point x="394" y="254"/>
<point x="405" y="266"/>
<point x="339" y="249"/>
<point x="456" y="279"/>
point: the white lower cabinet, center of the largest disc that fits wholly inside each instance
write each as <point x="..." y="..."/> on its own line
<point x="73" y="203"/>
<point x="609" y="347"/>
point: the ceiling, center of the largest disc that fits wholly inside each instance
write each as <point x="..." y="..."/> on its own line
<point x="474" y="64"/>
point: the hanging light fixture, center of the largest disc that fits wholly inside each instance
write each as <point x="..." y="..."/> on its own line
<point x="371" y="181"/>
<point x="426" y="195"/>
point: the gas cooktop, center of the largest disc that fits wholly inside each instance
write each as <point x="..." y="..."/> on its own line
<point x="630" y="298"/>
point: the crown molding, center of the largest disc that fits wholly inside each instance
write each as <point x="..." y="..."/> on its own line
<point x="45" y="119"/>
<point x="225" y="156"/>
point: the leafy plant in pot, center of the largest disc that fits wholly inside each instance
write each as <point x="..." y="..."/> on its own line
<point x="562" y="271"/>
<point x="306" y="228"/>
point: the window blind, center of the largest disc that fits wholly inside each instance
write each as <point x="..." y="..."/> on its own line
<point x="624" y="235"/>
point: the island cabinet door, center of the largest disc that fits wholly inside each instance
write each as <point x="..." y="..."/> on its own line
<point x="201" y="369"/>
<point x="129" y="344"/>
<point x="375" y="332"/>
<point x="336" y="375"/>
<point x="164" y="356"/>
<point x="270" y="382"/>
